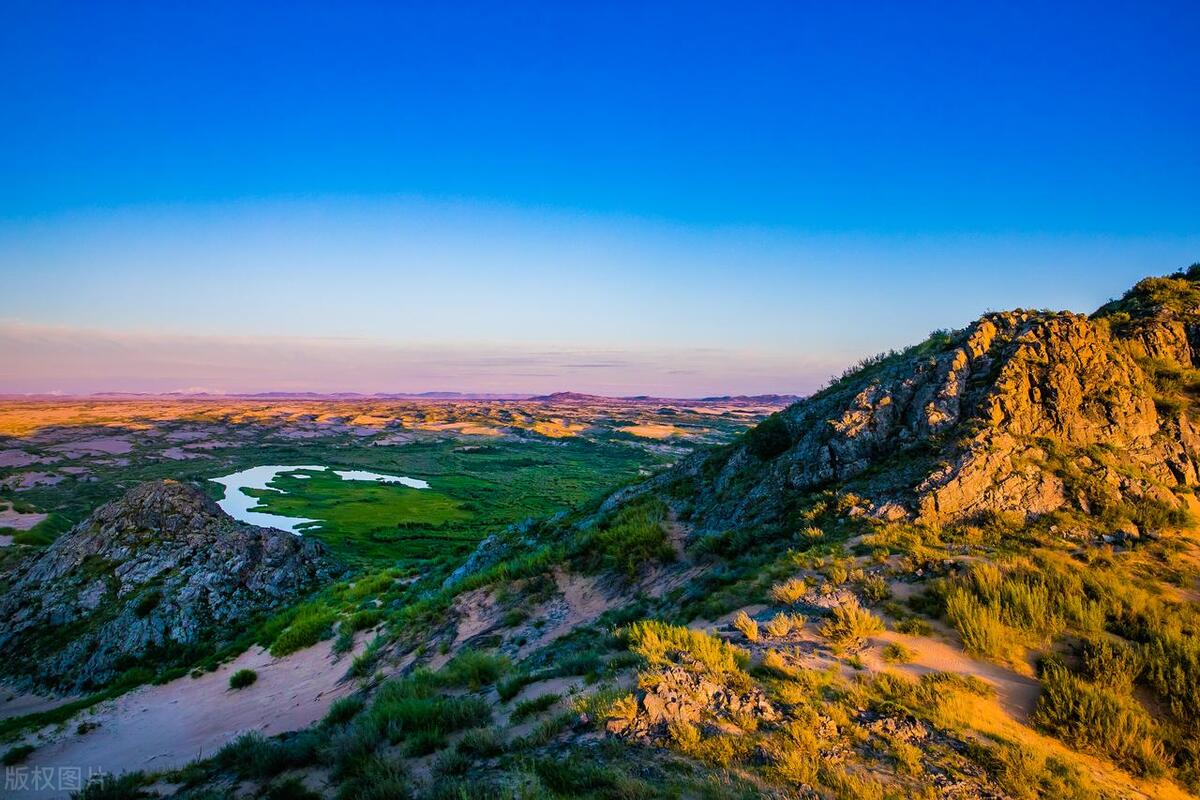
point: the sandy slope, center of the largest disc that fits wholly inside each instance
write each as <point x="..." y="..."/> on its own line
<point x="162" y="727"/>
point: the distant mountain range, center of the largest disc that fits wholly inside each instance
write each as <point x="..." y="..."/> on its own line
<point x="555" y="397"/>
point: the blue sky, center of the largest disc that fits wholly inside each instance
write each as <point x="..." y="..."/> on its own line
<point x="757" y="192"/>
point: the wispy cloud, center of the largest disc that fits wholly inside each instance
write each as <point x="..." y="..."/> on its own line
<point x="38" y="358"/>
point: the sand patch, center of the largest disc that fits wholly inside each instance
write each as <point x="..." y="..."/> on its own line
<point x="179" y="454"/>
<point x="28" y="480"/>
<point x="18" y="704"/>
<point x="211" y="444"/>
<point x="463" y="428"/>
<point x="188" y="435"/>
<point x="394" y="439"/>
<point x="1016" y="693"/>
<point x="585" y="600"/>
<point x="100" y="445"/>
<point x="162" y="727"/>
<point x="18" y="458"/>
<point x="11" y="518"/>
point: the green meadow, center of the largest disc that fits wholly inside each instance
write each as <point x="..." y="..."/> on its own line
<point x="474" y="491"/>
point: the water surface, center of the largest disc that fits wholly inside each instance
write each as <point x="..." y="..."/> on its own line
<point x="241" y="506"/>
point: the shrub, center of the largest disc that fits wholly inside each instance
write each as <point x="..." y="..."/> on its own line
<point x="660" y="643"/>
<point x="352" y="747"/>
<point x="547" y="730"/>
<point x="746" y="624"/>
<point x="403" y="708"/>
<point x="254" y="756"/>
<point x="309" y="626"/>
<point x="875" y="589"/>
<point x="510" y="686"/>
<point x="782" y="624"/>
<point x="789" y="592"/>
<point x="109" y="787"/>
<point x="980" y="626"/>
<point x="451" y="762"/>
<point x="17" y="754"/>
<point x="242" y="678"/>
<point x="290" y="789"/>
<point x="769" y="438"/>
<point x="344" y="642"/>
<point x="631" y="538"/>
<point x="481" y="743"/>
<point x="147" y="603"/>
<point x="533" y="706"/>
<point x="914" y="626"/>
<point x="474" y="669"/>
<point x="1097" y="718"/>
<point x="343" y="710"/>
<point x="424" y="741"/>
<point x="850" y="624"/>
<point x="1112" y="664"/>
<point x="896" y="653"/>
<point x="378" y="779"/>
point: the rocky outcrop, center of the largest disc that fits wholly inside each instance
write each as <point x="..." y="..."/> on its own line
<point x="158" y="573"/>
<point x="1023" y="412"/>
<point x="677" y="696"/>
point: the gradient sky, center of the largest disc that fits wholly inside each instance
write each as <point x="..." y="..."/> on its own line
<point x="662" y="198"/>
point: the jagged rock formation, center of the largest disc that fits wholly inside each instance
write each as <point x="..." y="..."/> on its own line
<point x="158" y="571"/>
<point x="679" y="696"/>
<point x="1022" y="411"/>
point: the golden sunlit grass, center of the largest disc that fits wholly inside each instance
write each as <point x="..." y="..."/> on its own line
<point x="651" y="430"/>
<point x="557" y="428"/>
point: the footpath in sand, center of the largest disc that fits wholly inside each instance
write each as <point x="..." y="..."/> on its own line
<point x="158" y="728"/>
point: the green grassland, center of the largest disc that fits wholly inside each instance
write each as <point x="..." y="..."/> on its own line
<point x="366" y="522"/>
<point x="478" y="486"/>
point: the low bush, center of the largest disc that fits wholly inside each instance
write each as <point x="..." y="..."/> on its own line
<point x="660" y="643"/>
<point x="510" y="686"/>
<point x="404" y="708"/>
<point x="290" y="789"/>
<point x="789" y="592"/>
<point x="769" y="438"/>
<point x="746" y="624"/>
<point x="377" y="779"/>
<point x="252" y="755"/>
<point x="1099" y="719"/>
<point x="533" y="706"/>
<point x="242" y="678"/>
<point x="481" y="743"/>
<point x="109" y="787"/>
<point x="630" y="539"/>
<point x="474" y="669"/>
<point x="850" y="625"/>
<point x="343" y="710"/>
<point x="310" y="625"/>
<point x="17" y="754"/>
<point x="782" y="625"/>
<point x="982" y="631"/>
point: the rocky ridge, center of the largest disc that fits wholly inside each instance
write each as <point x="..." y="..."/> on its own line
<point x="1025" y="412"/>
<point x="157" y="572"/>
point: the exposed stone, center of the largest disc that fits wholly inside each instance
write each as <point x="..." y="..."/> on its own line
<point x="156" y="571"/>
<point x="679" y="696"/>
<point x="991" y="419"/>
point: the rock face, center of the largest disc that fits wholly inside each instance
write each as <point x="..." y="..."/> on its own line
<point x="157" y="573"/>
<point x="680" y="696"/>
<point x="1026" y="412"/>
